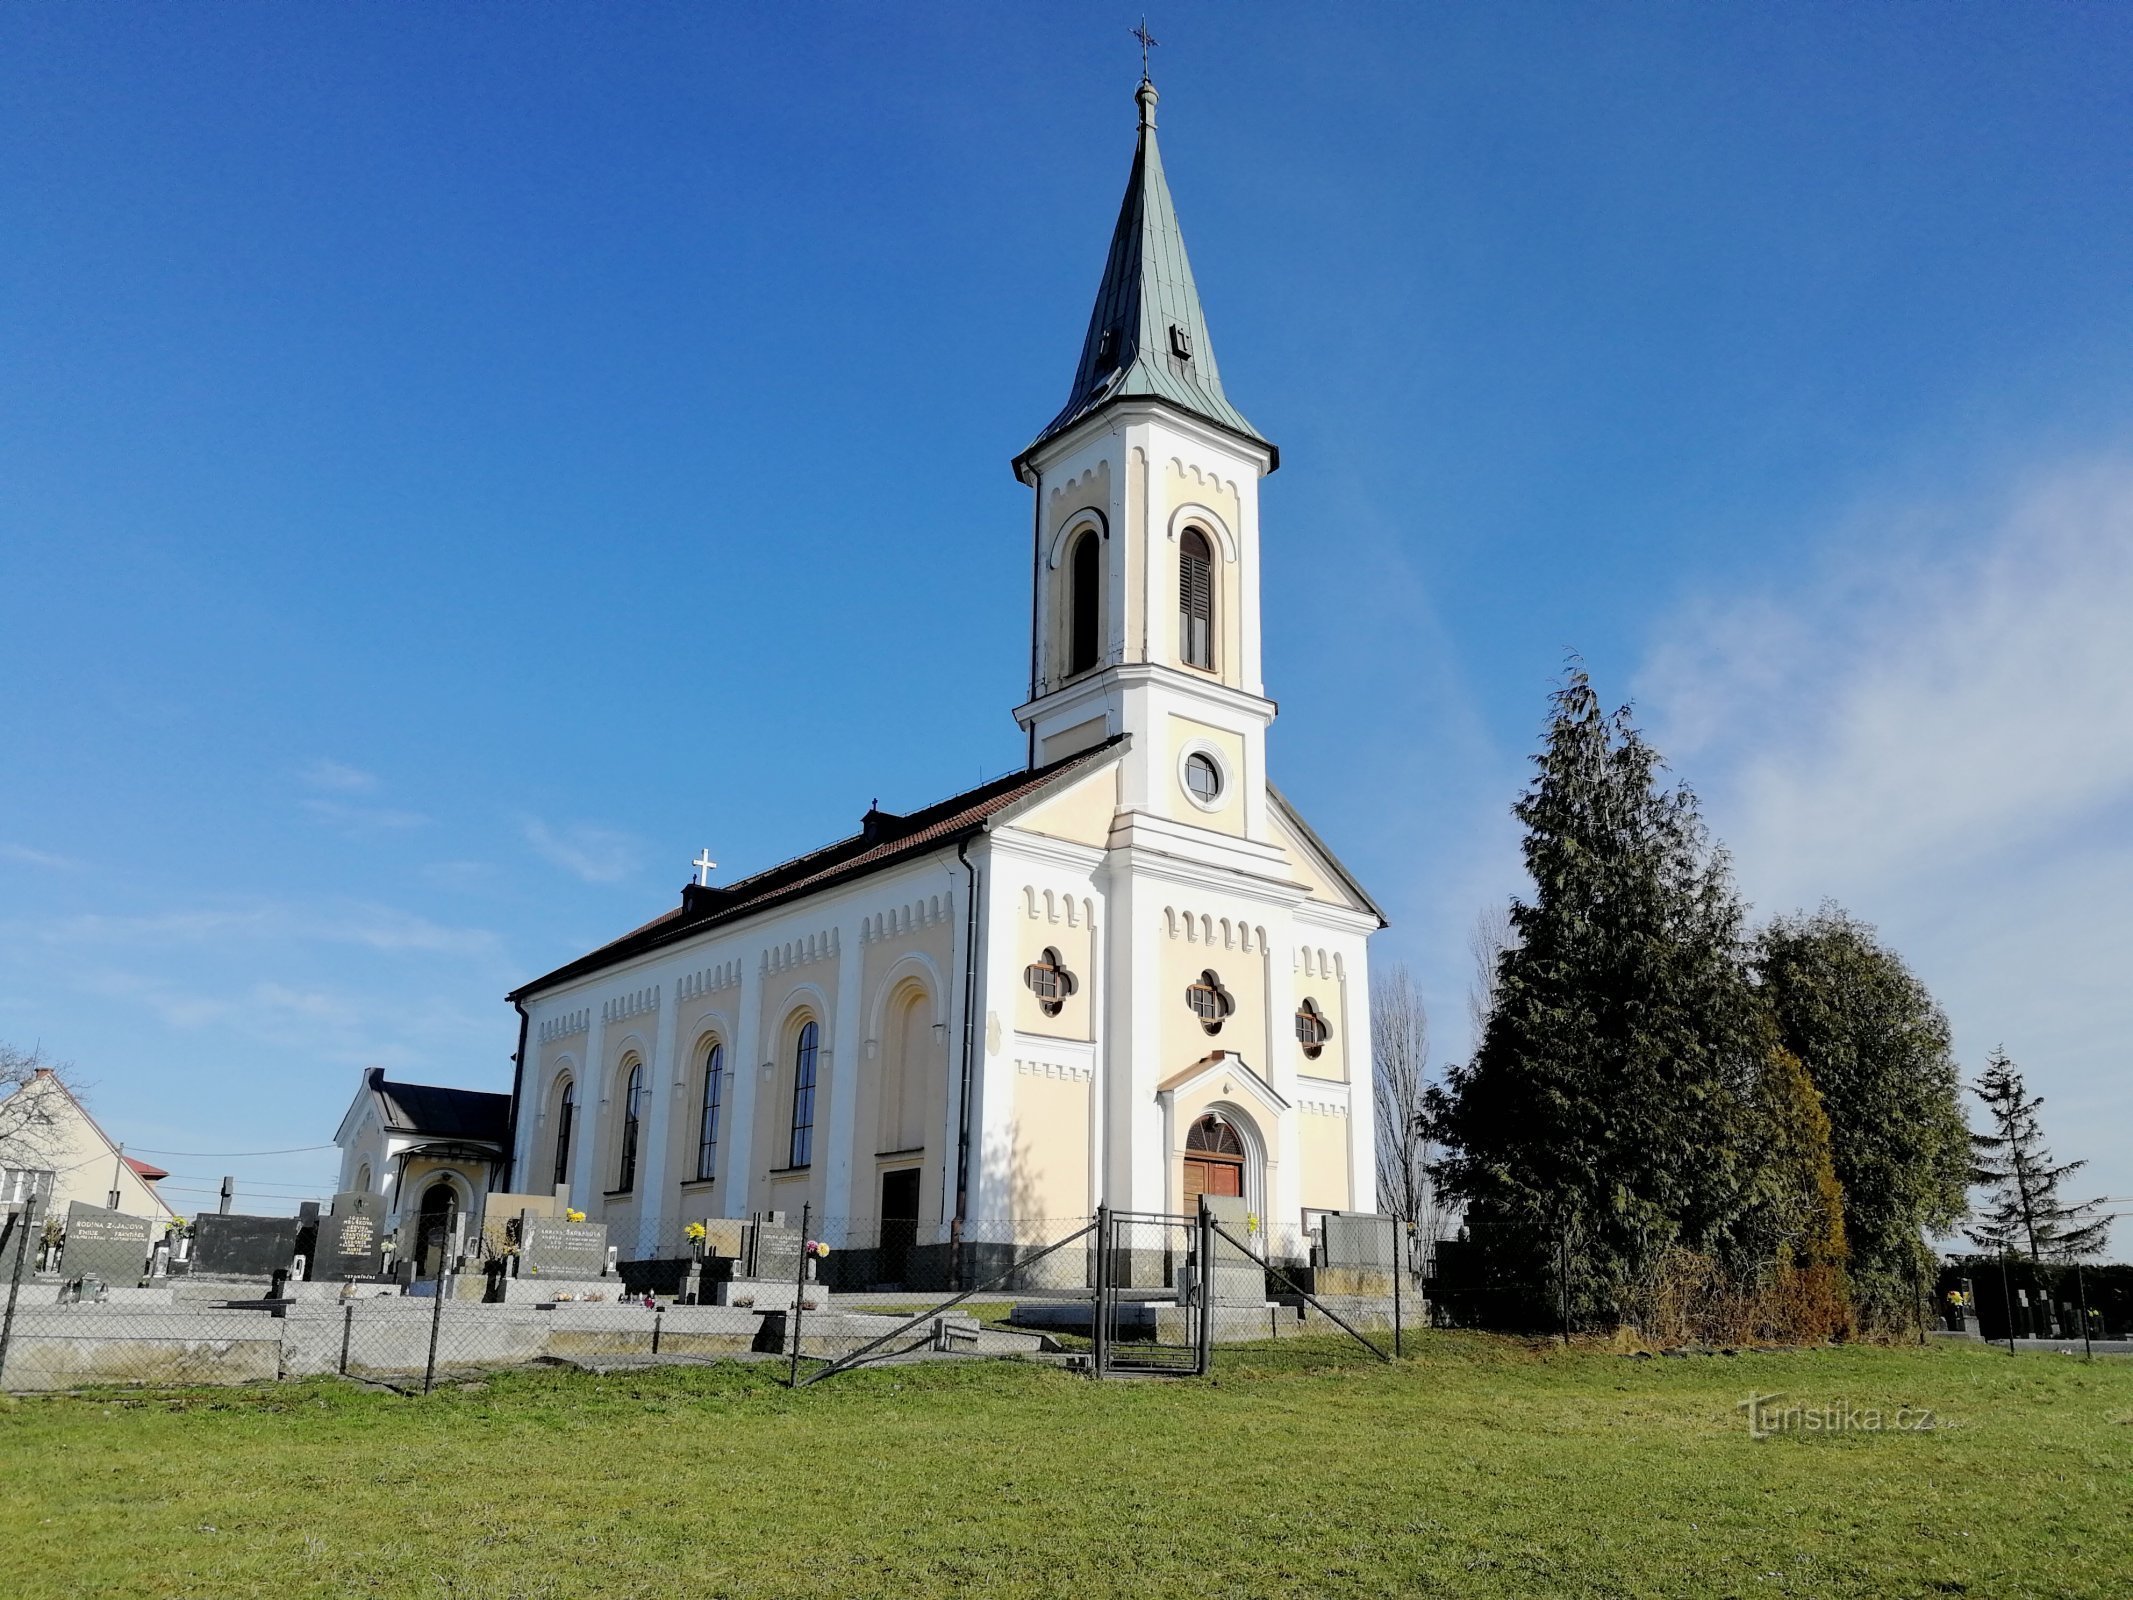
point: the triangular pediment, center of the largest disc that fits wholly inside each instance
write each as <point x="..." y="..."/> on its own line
<point x="1317" y="867"/>
<point x="1240" y="1081"/>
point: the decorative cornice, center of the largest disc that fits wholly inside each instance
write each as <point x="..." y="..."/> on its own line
<point x="634" y="1004"/>
<point x="799" y="952"/>
<point x="563" y="1027"/>
<point x="1198" y="928"/>
<point x="923" y="912"/>
<point x="1314" y="962"/>
<point x="694" y="985"/>
<point x="1046" y="905"/>
<point x="1067" y="1071"/>
<point x="1320" y="1106"/>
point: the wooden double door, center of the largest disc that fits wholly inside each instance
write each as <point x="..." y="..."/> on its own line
<point x="1214" y="1162"/>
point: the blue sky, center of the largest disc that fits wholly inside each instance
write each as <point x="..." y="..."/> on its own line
<point x="457" y="462"/>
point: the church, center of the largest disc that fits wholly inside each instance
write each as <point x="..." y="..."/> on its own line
<point x="1127" y="973"/>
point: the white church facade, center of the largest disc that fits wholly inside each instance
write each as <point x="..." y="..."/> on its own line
<point x="1128" y="973"/>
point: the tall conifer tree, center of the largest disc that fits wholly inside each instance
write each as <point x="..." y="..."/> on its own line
<point x="1608" y="1113"/>
<point x="2026" y="1214"/>
<point x="1876" y="1046"/>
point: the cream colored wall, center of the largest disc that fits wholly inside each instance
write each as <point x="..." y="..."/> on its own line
<point x="704" y="1021"/>
<point x="1228" y="816"/>
<point x="1064" y="923"/>
<point x="82" y="1159"/>
<point x="1137" y="535"/>
<point x="771" y="1143"/>
<point x="1304" y="867"/>
<point x="1082" y="812"/>
<point x="1316" y="978"/>
<point x="1237" y="956"/>
<point x="1072" y="741"/>
<point x="1085" y="498"/>
<point x="905" y="1052"/>
<point x="1049" y="1140"/>
<point x="1322" y="1146"/>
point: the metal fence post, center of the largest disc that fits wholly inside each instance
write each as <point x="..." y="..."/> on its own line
<point x="1100" y="1317"/>
<point x="1204" y="1343"/>
<point x="2081" y="1287"/>
<point x="799" y="1293"/>
<point x="2007" y="1302"/>
<point x="659" y="1317"/>
<point x="1399" y="1271"/>
<point x="429" y="1373"/>
<point x="20" y="1222"/>
<point x="348" y="1323"/>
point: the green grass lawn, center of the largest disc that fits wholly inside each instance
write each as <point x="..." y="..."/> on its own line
<point x="1479" y="1467"/>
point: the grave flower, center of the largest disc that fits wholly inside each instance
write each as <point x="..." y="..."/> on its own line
<point x="817" y="1249"/>
<point x="695" y="1231"/>
<point x="572" y="1215"/>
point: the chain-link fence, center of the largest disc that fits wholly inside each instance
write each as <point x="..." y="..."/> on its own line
<point x="1113" y="1293"/>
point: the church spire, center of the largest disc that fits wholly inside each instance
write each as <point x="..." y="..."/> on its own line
<point x="1147" y="336"/>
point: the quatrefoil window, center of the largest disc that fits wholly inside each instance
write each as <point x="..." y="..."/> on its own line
<point x="1050" y="982"/>
<point x="1210" y="1002"/>
<point x="1312" y="1029"/>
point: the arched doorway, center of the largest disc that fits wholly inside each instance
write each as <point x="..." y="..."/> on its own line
<point x="433" y="1226"/>
<point x="1214" y="1161"/>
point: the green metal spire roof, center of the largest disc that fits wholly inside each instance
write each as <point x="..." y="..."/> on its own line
<point x="1148" y="337"/>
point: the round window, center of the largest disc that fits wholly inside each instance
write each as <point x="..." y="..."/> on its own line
<point x="1203" y="778"/>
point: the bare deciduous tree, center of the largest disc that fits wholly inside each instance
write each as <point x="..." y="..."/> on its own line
<point x="1486" y="942"/>
<point x="1399" y="1048"/>
<point x="29" y="1117"/>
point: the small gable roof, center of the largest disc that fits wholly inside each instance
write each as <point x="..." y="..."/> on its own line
<point x="1331" y="862"/>
<point x="885" y="839"/>
<point x="438" y="1112"/>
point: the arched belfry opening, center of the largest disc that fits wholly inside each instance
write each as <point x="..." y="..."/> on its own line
<point x="1084" y="580"/>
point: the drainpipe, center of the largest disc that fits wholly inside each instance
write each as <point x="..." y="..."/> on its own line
<point x="518" y="1081"/>
<point x="970" y="987"/>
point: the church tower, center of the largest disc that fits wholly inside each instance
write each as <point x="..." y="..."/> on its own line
<point x="1146" y="554"/>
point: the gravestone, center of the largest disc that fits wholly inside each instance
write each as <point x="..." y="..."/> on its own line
<point x="548" y="1248"/>
<point x="106" y="1244"/>
<point x="1235" y="1278"/>
<point x="500" y="1214"/>
<point x="722" y="1237"/>
<point x="231" y="1245"/>
<point x="1360" y="1254"/>
<point x="348" y="1242"/>
<point x="776" y="1249"/>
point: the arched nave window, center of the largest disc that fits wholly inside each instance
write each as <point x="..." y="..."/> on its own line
<point x="1196" y="600"/>
<point x="714" y="1097"/>
<point x="1083" y="580"/>
<point x="566" y="1114"/>
<point x="632" y="1118"/>
<point x="802" y="1150"/>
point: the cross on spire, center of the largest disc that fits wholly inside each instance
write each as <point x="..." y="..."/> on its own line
<point x="1148" y="42"/>
<point x="703" y="865"/>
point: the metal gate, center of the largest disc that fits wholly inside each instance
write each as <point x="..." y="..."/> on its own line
<point x="1150" y="1313"/>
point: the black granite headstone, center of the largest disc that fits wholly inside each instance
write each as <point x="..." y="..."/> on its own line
<point x="349" y="1243"/>
<point x="230" y="1245"/>
<point x="106" y="1244"/>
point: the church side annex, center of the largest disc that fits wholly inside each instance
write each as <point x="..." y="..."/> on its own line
<point x="1129" y="973"/>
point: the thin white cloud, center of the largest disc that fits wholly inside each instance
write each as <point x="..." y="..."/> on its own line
<point x="597" y="855"/>
<point x="333" y="922"/>
<point x="37" y="858"/>
<point x="1935" y="728"/>
<point x="358" y="821"/>
<point x="337" y="777"/>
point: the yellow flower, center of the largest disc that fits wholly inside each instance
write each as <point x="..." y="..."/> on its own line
<point x="573" y="1216"/>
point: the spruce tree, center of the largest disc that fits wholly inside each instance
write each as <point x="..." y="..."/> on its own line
<point x="1877" y="1048"/>
<point x="1608" y="1112"/>
<point x="2025" y="1213"/>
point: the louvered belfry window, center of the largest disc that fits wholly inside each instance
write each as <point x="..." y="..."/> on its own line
<point x="1196" y="601"/>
